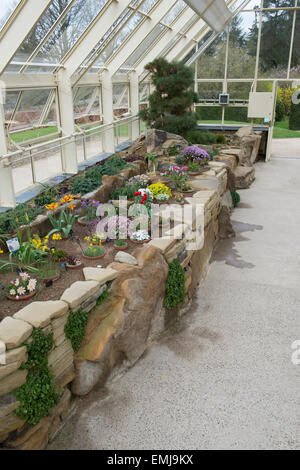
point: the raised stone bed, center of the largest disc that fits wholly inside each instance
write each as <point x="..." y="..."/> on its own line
<point x="121" y="327"/>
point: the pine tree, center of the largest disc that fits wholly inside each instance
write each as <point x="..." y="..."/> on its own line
<point x="170" y="104"/>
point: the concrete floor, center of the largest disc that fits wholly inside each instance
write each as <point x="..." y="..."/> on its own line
<point x="222" y="378"/>
<point x="286" y="148"/>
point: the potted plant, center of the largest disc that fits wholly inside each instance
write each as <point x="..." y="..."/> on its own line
<point x="23" y="288"/>
<point x="120" y="245"/>
<point x="96" y="239"/>
<point x="178" y="174"/>
<point x="59" y="256"/>
<point x="72" y="262"/>
<point x="140" y="237"/>
<point x="160" y="192"/>
<point x="196" y="158"/>
<point x="94" y="252"/>
<point x="64" y="223"/>
<point x="90" y="208"/>
<point x="49" y="271"/>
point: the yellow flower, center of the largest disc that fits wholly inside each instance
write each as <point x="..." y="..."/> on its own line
<point x="1" y="251"/>
<point x="72" y="207"/>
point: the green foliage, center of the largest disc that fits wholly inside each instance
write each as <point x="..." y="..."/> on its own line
<point x="37" y="396"/>
<point x="94" y="251"/>
<point x="214" y="113"/>
<point x="170" y="103"/>
<point x="64" y="223"/>
<point x="200" y="137"/>
<point x="280" y="110"/>
<point x="235" y="198"/>
<point x="180" y="160"/>
<point x="75" y="328"/>
<point x="102" y="297"/>
<point x="23" y="214"/>
<point x="294" y="121"/>
<point x="47" y="196"/>
<point x="221" y="139"/>
<point x="92" y="178"/>
<point x="174" y="285"/>
<point x="173" y="151"/>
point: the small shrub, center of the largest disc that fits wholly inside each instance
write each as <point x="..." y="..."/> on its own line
<point x="200" y="137"/>
<point x="294" y="121"/>
<point x="94" y="251"/>
<point x="23" y="214"/>
<point x="221" y="139"/>
<point x="175" y="285"/>
<point x="75" y="328"/>
<point x="280" y="110"/>
<point x="235" y="198"/>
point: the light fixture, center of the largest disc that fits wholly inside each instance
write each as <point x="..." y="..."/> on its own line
<point x="214" y="12"/>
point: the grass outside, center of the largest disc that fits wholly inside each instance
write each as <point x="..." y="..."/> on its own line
<point x="282" y="131"/>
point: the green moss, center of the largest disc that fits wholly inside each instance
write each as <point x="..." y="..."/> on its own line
<point x="37" y="396"/>
<point x="75" y="328"/>
<point x="174" y="285"/>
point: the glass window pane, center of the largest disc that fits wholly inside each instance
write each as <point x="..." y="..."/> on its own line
<point x="275" y="42"/>
<point x="6" y="9"/>
<point x="120" y="98"/>
<point x="174" y="12"/>
<point x="243" y="45"/>
<point x="69" y="30"/>
<point x="38" y="33"/>
<point x="86" y="105"/>
<point x="211" y="64"/>
<point x="295" y="64"/>
<point x="144" y="46"/>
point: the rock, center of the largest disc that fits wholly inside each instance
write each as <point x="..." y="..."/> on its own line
<point x="13" y="381"/>
<point x="39" y="314"/>
<point x="122" y="257"/>
<point x="163" y="243"/>
<point x="225" y="225"/>
<point x="227" y="200"/>
<point x="249" y="142"/>
<point x="10" y="423"/>
<point x="157" y="141"/>
<point x="60" y="351"/>
<point x="87" y="376"/>
<point x="78" y="292"/>
<point x="8" y="403"/>
<point x="14" y="355"/>
<point x="120" y="328"/>
<point x="10" y="368"/>
<point x="65" y="377"/>
<point x="101" y="275"/>
<point x="202" y="182"/>
<point x="31" y="437"/>
<point x="244" y="177"/>
<point x="14" y="332"/>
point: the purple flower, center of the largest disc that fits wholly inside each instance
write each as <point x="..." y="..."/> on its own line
<point x="194" y="152"/>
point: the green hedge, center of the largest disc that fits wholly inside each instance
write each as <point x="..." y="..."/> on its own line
<point x="214" y="113"/>
<point x="294" y="121"/>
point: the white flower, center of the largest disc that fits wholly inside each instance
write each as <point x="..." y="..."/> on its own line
<point x="21" y="290"/>
<point x="147" y="192"/>
<point x="17" y="282"/>
<point x="24" y="276"/>
<point x="163" y="197"/>
<point x="140" y="235"/>
<point x="31" y="285"/>
<point x="12" y="292"/>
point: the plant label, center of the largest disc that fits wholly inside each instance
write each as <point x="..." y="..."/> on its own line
<point x="13" y="245"/>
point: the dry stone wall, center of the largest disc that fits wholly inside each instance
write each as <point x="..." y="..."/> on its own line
<point x="120" y="328"/>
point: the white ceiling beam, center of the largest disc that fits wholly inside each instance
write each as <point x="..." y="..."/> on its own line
<point x="95" y="31"/>
<point x="142" y="30"/>
<point x="214" y="12"/>
<point x="19" y="28"/>
<point x="18" y="81"/>
<point x="186" y="44"/>
<point x="166" y="38"/>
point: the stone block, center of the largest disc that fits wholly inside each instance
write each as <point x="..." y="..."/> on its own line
<point x="122" y="257"/>
<point x="79" y="292"/>
<point x="13" y="381"/>
<point x="10" y="368"/>
<point x="14" y="332"/>
<point x="14" y="355"/>
<point x="39" y="314"/>
<point x="101" y="275"/>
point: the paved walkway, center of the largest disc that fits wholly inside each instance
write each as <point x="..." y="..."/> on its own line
<point x="223" y="377"/>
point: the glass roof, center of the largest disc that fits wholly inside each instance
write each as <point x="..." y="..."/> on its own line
<point x="64" y="23"/>
<point x="7" y="7"/>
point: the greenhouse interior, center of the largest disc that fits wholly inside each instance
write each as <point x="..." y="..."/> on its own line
<point x="149" y="221"/>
